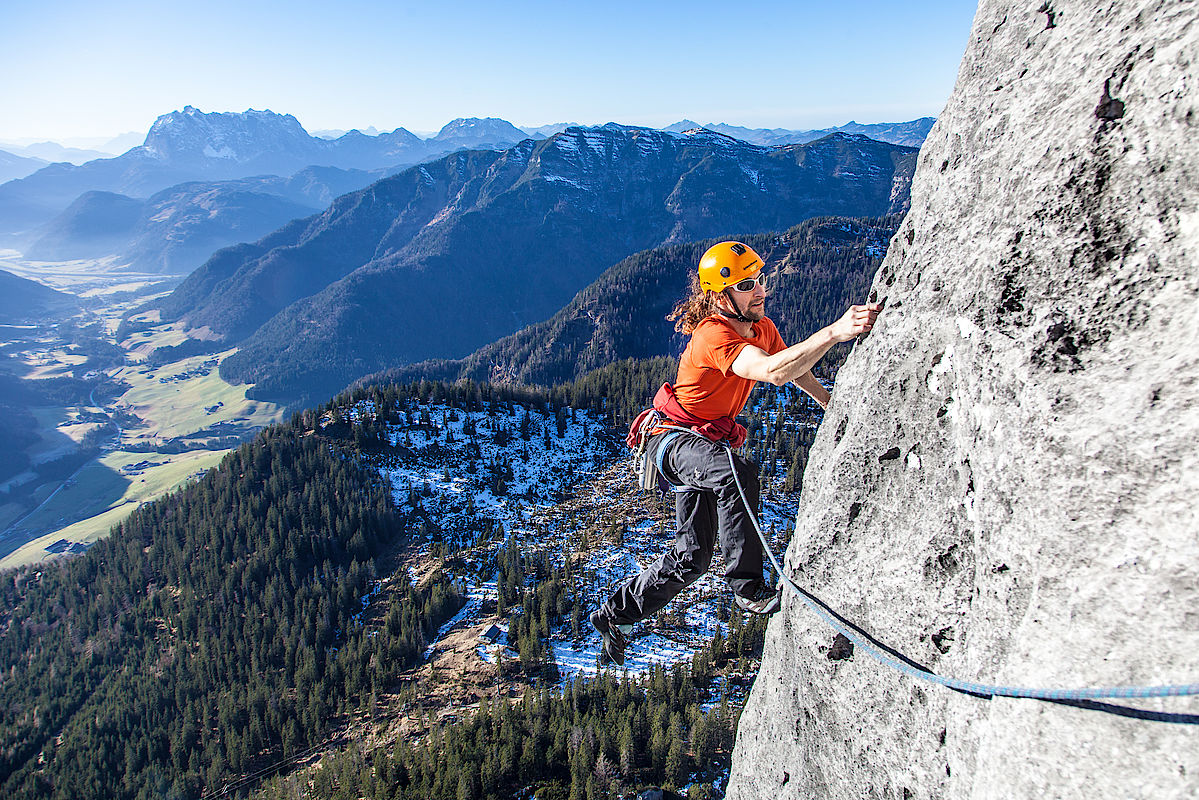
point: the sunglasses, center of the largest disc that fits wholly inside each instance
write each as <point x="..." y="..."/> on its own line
<point x="748" y="284"/>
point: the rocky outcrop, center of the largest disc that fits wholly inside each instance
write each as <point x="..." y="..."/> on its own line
<point x="1006" y="486"/>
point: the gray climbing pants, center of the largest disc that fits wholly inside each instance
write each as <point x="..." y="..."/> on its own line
<point x="708" y="506"/>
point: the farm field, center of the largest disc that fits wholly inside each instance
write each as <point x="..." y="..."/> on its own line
<point x="102" y="495"/>
<point x="188" y="396"/>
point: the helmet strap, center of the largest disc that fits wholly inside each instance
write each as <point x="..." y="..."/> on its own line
<point x="736" y="312"/>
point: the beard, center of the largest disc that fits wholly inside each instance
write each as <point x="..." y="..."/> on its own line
<point x="750" y="312"/>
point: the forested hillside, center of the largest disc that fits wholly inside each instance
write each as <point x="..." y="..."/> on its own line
<point x="592" y="739"/>
<point x="216" y="629"/>
<point x="567" y="735"/>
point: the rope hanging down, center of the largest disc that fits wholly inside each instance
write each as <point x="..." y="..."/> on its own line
<point x="897" y="661"/>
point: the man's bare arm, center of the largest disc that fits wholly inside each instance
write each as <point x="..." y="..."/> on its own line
<point x="786" y="365"/>
<point x="813" y="387"/>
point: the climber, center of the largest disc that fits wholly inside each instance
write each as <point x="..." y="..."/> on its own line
<point x="733" y="345"/>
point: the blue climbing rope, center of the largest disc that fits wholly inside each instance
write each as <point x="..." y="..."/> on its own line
<point x="897" y="661"/>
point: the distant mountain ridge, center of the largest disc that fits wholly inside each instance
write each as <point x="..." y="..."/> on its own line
<point x="441" y="259"/>
<point x="267" y="143"/>
<point x="908" y="134"/>
<point x="52" y="152"/>
<point x="179" y="228"/>
<point x="191" y="145"/>
<point x="546" y="131"/>
<point x="13" y="166"/>
<point x="489" y="133"/>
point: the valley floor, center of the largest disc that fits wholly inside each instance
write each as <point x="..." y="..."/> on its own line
<point x="115" y="436"/>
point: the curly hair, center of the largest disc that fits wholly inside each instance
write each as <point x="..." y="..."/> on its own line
<point x="697" y="306"/>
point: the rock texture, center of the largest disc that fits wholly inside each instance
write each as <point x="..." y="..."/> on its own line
<point x="1006" y="485"/>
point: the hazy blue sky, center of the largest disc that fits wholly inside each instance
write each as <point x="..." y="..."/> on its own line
<point x="78" y="69"/>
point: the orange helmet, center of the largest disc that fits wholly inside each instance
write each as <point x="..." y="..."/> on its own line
<point x="727" y="263"/>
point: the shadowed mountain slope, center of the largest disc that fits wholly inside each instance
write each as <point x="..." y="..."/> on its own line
<point x="24" y="301"/>
<point x="97" y="224"/>
<point x="816" y="270"/>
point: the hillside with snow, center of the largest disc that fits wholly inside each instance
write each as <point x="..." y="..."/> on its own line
<point x="558" y="486"/>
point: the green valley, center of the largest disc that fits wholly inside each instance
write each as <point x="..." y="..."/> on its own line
<point x="104" y="425"/>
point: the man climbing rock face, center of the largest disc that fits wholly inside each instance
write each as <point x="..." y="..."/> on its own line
<point x="733" y="345"/>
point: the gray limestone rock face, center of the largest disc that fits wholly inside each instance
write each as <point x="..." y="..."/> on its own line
<point x="1006" y="485"/>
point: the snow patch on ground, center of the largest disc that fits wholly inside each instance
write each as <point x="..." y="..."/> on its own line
<point x="560" y="179"/>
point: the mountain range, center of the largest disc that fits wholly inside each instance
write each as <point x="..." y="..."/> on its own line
<point x="190" y="145"/>
<point x="441" y="259"/>
<point x="178" y="228"/>
<point x="45" y="214"/>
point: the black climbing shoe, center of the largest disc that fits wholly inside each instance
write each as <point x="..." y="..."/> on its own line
<point x="612" y="651"/>
<point x="763" y="600"/>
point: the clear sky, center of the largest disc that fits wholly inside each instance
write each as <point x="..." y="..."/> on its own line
<point x="84" y="69"/>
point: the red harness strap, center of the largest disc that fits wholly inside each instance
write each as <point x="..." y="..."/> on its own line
<point x="666" y="404"/>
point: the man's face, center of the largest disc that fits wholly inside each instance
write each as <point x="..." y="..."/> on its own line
<point x="751" y="303"/>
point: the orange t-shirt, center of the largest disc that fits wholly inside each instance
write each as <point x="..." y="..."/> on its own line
<point x="706" y="385"/>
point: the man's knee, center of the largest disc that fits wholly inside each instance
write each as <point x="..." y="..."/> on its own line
<point x="692" y="563"/>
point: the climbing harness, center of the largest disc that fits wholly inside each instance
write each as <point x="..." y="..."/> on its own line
<point x="897" y="661"/>
<point x="643" y="465"/>
<point x="648" y="464"/>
